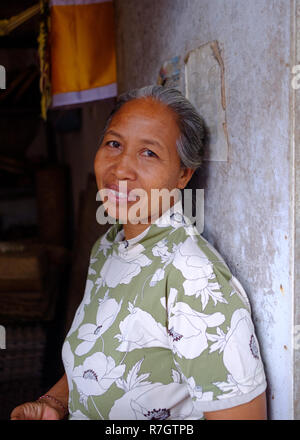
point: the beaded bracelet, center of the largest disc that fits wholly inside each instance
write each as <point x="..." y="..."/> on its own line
<point x="47" y="396"/>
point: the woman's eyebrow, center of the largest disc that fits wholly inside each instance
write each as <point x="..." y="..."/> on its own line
<point x="114" y="133"/>
<point x="146" y="141"/>
<point x="151" y="142"/>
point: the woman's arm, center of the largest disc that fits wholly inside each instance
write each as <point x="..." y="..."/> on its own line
<point x="254" y="410"/>
<point x="45" y="408"/>
<point x="59" y="391"/>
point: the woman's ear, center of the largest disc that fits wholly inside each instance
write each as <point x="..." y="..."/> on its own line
<point x="185" y="176"/>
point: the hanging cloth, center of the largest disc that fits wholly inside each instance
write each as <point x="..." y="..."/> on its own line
<point x="83" y="59"/>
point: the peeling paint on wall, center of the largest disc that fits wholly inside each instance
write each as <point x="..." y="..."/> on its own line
<point x="205" y="88"/>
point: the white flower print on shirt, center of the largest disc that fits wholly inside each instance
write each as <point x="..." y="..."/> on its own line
<point x="239" y="290"/>
<point x="187" y="330"/>
<point x="144" y="400"/>
<point x="173" y="217"/>
<point x="158" y="275"/>
<point x="133" y="386"/>
<point x="92" y="271"/>
<point x="134" y="379"/>
<point x="79" y="315"/>
<point x="187" y="327"/>
<point x="158" y="403"/>
<point x="96" y="375"/>
<point x="78" y="415"/>
<point x="140" y="330"/>
<point x="107" y="312"/>
<point x="116" y="270"/>
<point x="229" y="388"/>
<point x="105" y="244"/>
<point x="196" y="391"/>
<point x="241" y="354"/>
<point x="153" y="402"/>
<point x="198" y="273"/>
<point x="161" y="250"/>
<point x="68" y="360"/>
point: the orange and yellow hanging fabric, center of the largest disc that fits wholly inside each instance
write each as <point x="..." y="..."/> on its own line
<point x="83" y="59"/>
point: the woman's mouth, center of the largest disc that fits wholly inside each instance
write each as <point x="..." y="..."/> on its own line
<point x="121" y="197"/>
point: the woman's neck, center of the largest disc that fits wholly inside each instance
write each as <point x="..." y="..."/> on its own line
<point x="132" y="230"/>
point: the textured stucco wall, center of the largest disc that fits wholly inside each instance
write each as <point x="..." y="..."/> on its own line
<point x="295" y="129"/>
<point x="247" y="215"/>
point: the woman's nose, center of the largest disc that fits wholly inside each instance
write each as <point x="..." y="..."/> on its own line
<point x="124" y="167"/>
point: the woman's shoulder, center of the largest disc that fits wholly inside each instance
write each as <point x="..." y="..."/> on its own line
<point x="199" y="268"/>
<point x="104" y="242"/>
<point x="189" y="243"/>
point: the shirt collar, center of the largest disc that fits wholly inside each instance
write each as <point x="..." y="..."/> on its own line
<point x="162" y="226"/>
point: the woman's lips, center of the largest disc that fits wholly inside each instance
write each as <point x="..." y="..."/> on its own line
<point x="114" y="195"/>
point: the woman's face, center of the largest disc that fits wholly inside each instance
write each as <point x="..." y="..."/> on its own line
<point x="138" y="154"/>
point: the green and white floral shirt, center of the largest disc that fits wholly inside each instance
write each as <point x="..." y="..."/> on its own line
<point x="164" y="330"/>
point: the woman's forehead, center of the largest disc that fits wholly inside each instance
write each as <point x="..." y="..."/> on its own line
<point x="144" y="120"/>
<point x="144" y="109"/>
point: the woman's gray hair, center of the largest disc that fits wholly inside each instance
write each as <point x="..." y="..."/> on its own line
<point x="190" y="145"/>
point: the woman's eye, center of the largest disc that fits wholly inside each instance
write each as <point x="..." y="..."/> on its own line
<point x="113" y="144"/>
<point x="150" y="153"/>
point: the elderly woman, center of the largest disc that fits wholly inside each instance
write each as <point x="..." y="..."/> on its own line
<point x="164" y="330"/>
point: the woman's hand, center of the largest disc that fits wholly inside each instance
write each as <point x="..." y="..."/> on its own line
<point x="50" y="406"/>
<point x="37" y="411"/>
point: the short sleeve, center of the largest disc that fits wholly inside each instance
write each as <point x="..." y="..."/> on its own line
<point x="211" y="333"/>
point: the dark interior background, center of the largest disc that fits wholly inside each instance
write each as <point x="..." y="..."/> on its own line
<point x="47" y="216"/>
